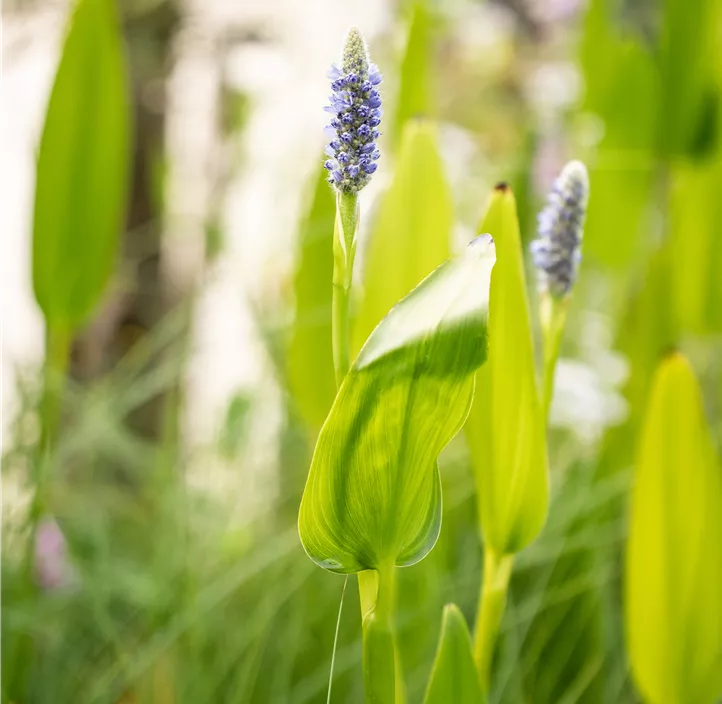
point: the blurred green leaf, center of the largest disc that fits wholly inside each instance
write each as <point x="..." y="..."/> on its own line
<point x="505" y="430"/>
<point x="622" y="94"/>
<point x="454" y="677"/>
<point x="686" y="45"/>
<point x="373" y="494"/>
<point x="414" y="98"/>
<point x="310" y="357"/>
<point x="673" y="609"/>
<point x="695" y="217"/>
<point x="82" y="169"/>
<point x="413" y="230"/>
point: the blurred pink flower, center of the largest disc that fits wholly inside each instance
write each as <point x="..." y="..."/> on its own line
<point x="52" y="568"/>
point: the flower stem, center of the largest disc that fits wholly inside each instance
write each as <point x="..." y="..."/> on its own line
<point x="492" y="600"/>
<point x="344" y="250"/>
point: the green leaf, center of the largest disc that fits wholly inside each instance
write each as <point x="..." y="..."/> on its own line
<point x="673" y="610"/>
<point x="82" y="169"/>
<point x="310" y="357"/>
<point x="373" y="495"/>
<point x="413" y="230"/>
<point x="454" y="677"/>
<point x="505" y="430"/>
<point x="687" y="46"/>
<point x="693" y="228"/>
<point x="414" y="98"/>
<point x="623" y="92"/>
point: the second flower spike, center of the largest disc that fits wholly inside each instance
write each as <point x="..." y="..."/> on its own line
<point x="356" y="108"/>
<point x="557" y="250"/>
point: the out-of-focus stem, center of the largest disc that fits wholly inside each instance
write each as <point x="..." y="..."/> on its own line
<point x="553" y="317"/>
<point x="492" y="601"/>
<point x="57" y="356"/>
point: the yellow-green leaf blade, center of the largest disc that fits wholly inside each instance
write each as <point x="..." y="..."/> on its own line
<point x="454" y="677"/>
<point x="373" y="494"/>
<point x="310" y="359"/>
<point x="412" y="234"/>
<point x="673" y="580"/>
<point x="505" y="430"/>
<point x="82" y="168"/>
<point x="415" y="79"/>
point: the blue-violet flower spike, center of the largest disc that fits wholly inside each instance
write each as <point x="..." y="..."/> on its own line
<point x="356" y="106"/>
<point x="557" y="249"/>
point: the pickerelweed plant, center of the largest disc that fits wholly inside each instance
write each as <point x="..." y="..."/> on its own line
<point x="372" y="501"/>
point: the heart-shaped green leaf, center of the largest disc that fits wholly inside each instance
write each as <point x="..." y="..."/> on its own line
<point x="373" y="495"/>
<point x="82" y="169"/>
<point x="454" y="677"/>
<point x="673" y="575"/>
<point x="506" y="431"/>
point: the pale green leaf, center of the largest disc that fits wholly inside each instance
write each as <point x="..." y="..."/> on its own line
<point x="413" y="229"/>
<point x="687" y="41"/>
<point x="310" y="358"/>
<point x="622" y="94"/>
<point x="454" y="677"/>
<point x="373" y="495"/>
<point x="415" y="75"/>
<point x="673" y="585"/>
<point x="505" y="431"/>
<point x="695" y="216"/>
<point x="82" y="169"/>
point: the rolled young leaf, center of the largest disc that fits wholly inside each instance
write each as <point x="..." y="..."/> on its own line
<point x="505" y="430"/>
<point x="82" y="169"/>
<point x="673" y="580"/>
<point x="454" y="677"/>
<point x="373" y="495"/>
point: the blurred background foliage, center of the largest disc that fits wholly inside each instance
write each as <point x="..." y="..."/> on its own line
<point x="151" y="555"/>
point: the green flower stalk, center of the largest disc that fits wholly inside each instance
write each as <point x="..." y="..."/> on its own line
<point x="355" y="104"/>
<point x="557" y="254"/>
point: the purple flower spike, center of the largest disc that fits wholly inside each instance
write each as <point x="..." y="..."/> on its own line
<point x="556" y="251"/>
<point x="356" y="105"/>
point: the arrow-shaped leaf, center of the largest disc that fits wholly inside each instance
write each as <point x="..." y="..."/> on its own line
<point x="373" y="495"/>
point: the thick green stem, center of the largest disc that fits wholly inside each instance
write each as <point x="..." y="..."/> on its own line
<point x="554" y="315"/>
<point x="340" y="332"/>
<point x="344" y="250"/>
<point x="492" y="600"/>
<point x="379" y="643"/>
